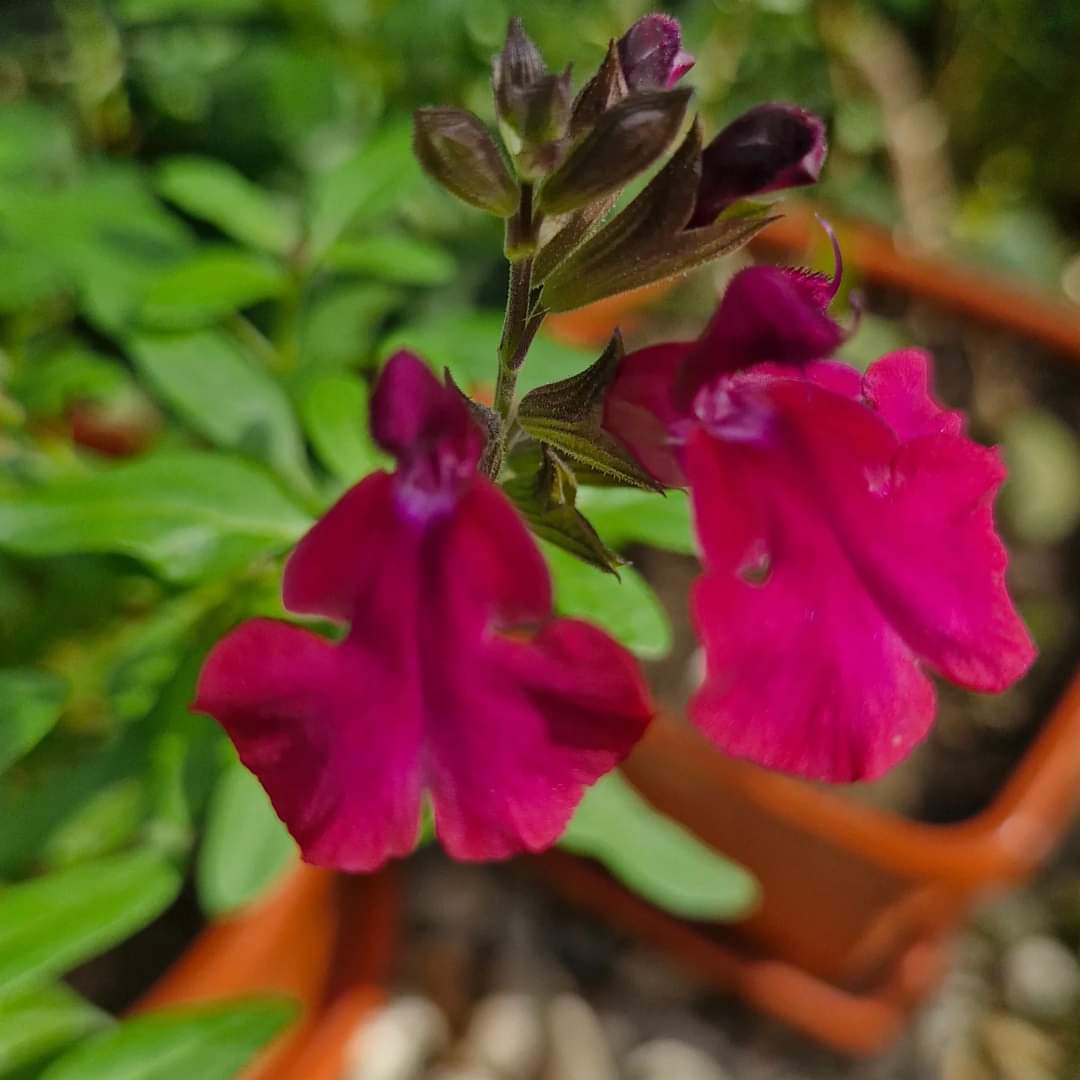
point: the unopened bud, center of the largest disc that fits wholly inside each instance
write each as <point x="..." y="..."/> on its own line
<point x="456" y="149"/>
<point x="768" y="148"/>
<point x="518" y="68"/>
<point x="652" y="54"/>
<point x="626" y="140"/>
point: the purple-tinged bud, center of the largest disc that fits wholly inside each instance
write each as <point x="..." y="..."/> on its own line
<point x="652" y="54"/>
<point x="768" y="148"/>
<point x="456" y="149"/>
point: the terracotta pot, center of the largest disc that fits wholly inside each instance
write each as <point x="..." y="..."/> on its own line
<point x="857" y="904"/>
<point x="322" y="939"/>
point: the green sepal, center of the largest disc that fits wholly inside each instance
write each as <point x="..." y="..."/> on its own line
<point x="545" y="492"/>
<point x="569" y="415"/>
<point x="649" y="241"/>
<point x="605" y="89"/>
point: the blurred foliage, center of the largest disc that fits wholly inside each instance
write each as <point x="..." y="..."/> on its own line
<point x="211" y="233"/>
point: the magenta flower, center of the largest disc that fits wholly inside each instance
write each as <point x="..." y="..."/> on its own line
<point x="453" y="678"/>
<point x="845" y="526"/>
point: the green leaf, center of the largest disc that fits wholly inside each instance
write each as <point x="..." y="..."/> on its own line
<point x="30" y="704"/>
<point x="399" y="259"/>
<point x="335" y="414"/>
<point x="368" y="185"/>
<point x="187" y="514"/>
<point x="468" y="345"/>
<point x="246" y="848"/>
<point x="34" y="813"/>
<point x="109" y="820"/>
<point x="545" y="495"/>
<point x="626" y="516"/>
<point x="626" y="607"/>
<point x="37" y="1023"/>
<point x="209" y="380"/>
<point x="50" y="924"/>
<point x="216" y="192"/>
<point x="209" y="1042"/>
<point x="338" y="327"/>
<point x="656" y="857"/>
<point x="207" y="286"/>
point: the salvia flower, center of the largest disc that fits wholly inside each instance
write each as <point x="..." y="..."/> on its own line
<point x="845" y="527"/>
<point x="453" y="678"/>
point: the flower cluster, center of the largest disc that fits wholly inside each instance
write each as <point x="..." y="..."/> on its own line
<point x="844" y="520"/>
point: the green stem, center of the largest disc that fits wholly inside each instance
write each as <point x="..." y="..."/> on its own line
<point x="515" y="325"/>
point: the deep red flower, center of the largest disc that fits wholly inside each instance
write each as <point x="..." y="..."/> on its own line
<point x="454" y="679"/>
<point x="845" y="526"/>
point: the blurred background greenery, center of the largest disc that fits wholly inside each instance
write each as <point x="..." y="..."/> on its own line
<point x="210" y="223"/>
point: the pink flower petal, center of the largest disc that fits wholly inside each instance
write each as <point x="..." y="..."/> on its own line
<point x="640" y="411"/>
<point x="916" y="522"/>
<point x="805" y="673"/>
<point x="339" y="560"/>
<point x="527" y="726"/>
<point x="898" y="386"/>
<point x="332" y="733"/>
<point x="517" y="725"/>
<point x="768" y="314"/>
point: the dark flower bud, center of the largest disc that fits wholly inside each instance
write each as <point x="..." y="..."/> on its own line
<point x="766" y="149"/>
<point x="456" y="149"/>
<point x="543" y="110"/>
<point x="518" y="68"/>
<point x="626" y="140"/>
<point x="652" y="54"/>
<point x="606" y="88"/>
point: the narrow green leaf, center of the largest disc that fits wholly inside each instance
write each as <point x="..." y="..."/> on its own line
<point x="366" y="186"/>
<point x="208" y="1042"/>
<point x="626" y="516"/>
<point x="50" y="924"/>
<point x="34" y="814"/>
<point x="338" y="325"/>
<point x="626" y="607"/>
<point x="246" y="848"/>
<point x="213" y="191"/>
<point x="223" y="395"/>
<point x="656" y="857"/>
<point x="30" y="704"/>
<point x="399" y="259"/>
<point x="38" y="1023"/>
<point x="545" y="494"/>
<point x="207" y="286"/>
<point x="335" y="414"/>
<point x="187" y="514"/>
